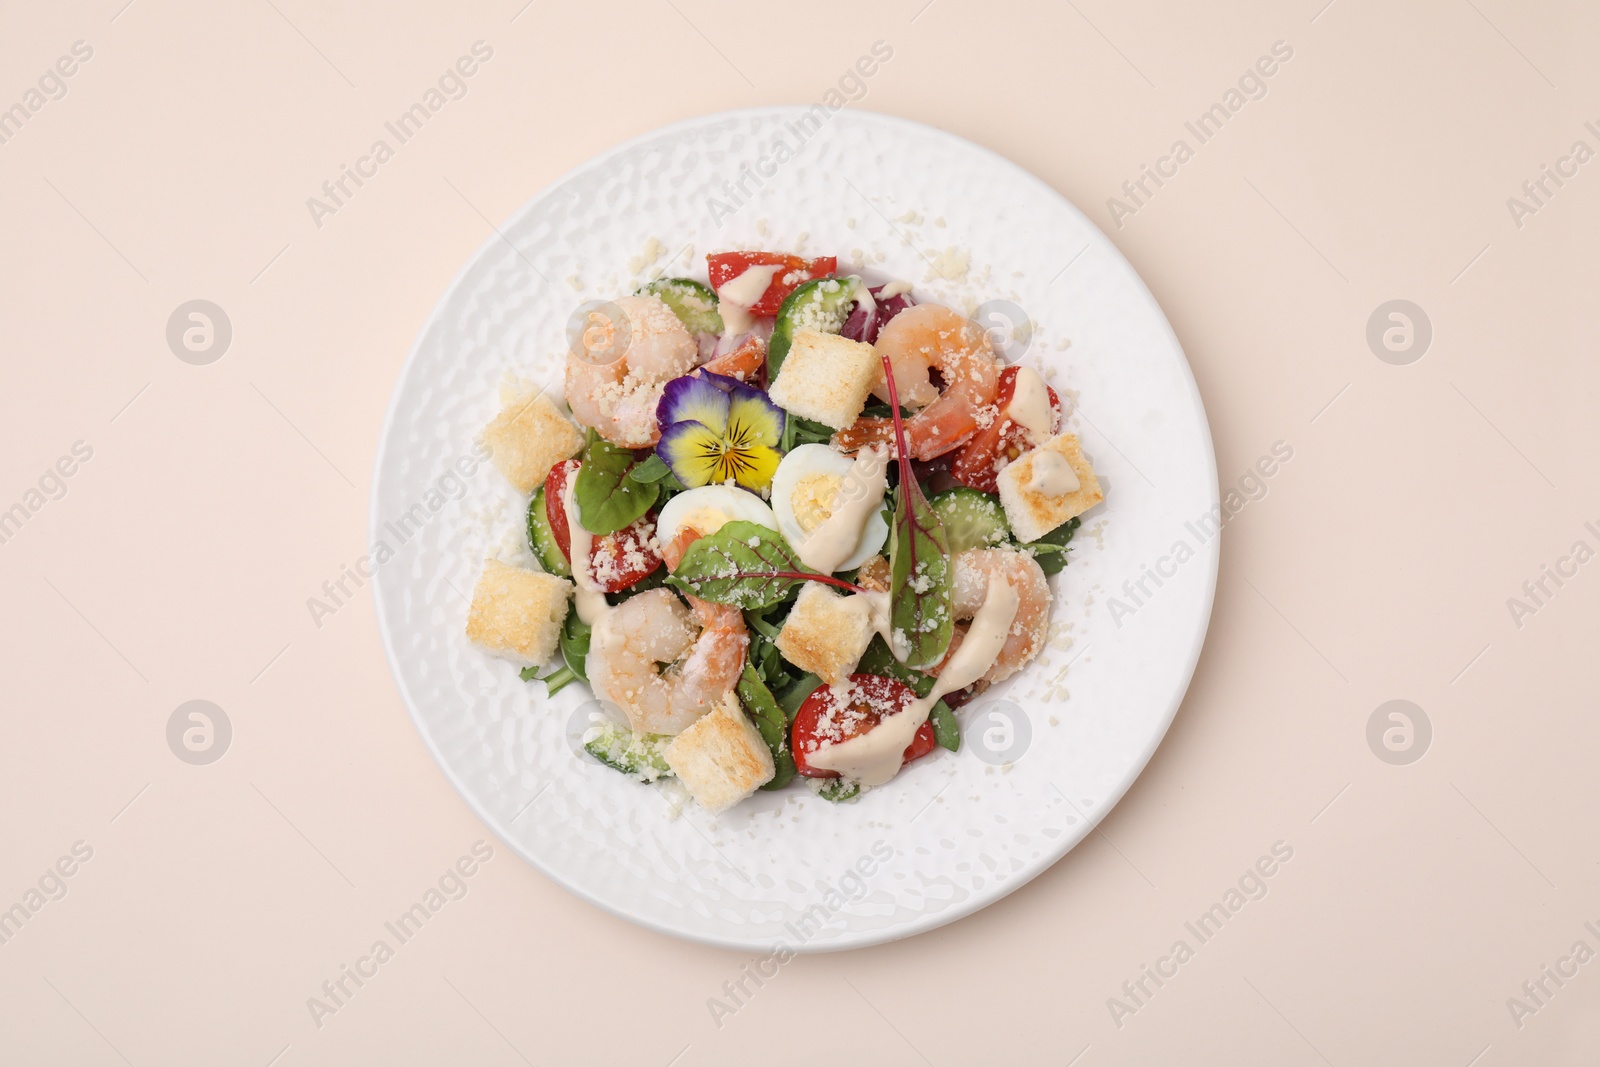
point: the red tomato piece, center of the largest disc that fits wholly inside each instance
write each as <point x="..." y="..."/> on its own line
<point x="974" y="464"/>
<point x="616" y="560"/>
<point x="726" y="266"/>
<point x="874" y="698"/>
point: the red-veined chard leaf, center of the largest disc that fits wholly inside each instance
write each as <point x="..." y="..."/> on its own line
<point x="746" y="565"/>
<point x="919" y="562"/>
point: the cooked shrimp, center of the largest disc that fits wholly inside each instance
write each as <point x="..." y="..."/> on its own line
<point x="917" y="341"/>
<point x="709" y="614"/>
<point x="646" y="657"/>
<point x="619" y="398"/>
<point x="974" y="570"/>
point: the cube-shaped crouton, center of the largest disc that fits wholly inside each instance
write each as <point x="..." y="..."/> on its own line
<point x="721" y="757"/>
<point x="826" y="633"/>
<point x="1029" y="488"/>
<point x="826" y="378"/>
<point x="528" y="437"/>
<point x="516" y="613"/>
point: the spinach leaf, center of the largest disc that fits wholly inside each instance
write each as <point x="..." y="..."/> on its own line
<point x="771" y="722"/>
<point x="746" y="565"/>
<point x="654" y="470"/>
<point x="608" y="499"/>
<point x="795" y="695"/>
<point x="946" y="730"/>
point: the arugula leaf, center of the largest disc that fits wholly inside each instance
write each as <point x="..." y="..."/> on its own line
<point x="746" y="565"/>
<point x="919" y="561"/>
<point x="798" y="431"/>
<point x="771" y="722"/>
<point x="574" y="642"/>
<point x="1050" y="551"/>
<point x="555" y="681"/>
<point x="608" y="500"/>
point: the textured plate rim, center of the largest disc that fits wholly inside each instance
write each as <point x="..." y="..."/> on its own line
<point x="926" y="921"/>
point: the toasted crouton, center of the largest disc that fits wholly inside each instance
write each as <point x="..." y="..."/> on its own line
<point x="517" y="614"/>
<point x="721" y="757"/>
<point x="826" y="378"/>
<point x="528" y="437"/>
<point x="1033" y="512"/>
<point x="826" y="633"/>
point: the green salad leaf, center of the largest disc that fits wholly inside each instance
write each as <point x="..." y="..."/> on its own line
<point x="919" y="561"/>
<point x="653" y="469"/>
<point x="1050" y="551"/>
<point x="770" y="720"/>
<point x="946" y="730"/>
<point x="794" y="695"/>
<point x="746" y="565"/>
<point x="555" y="681"/>
<point x="608" y="499"/>
<point x="574" y="642"/>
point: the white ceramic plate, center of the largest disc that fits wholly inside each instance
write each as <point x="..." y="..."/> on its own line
<point x="954" y="832"/>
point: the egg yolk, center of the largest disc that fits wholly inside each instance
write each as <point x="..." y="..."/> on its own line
<point x="813" y="498"/>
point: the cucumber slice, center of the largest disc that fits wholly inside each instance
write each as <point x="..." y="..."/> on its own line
<point x="820" y="304"/>
<point x="695" y="303"/>
<point x="542" y="539"/>
<point x="972" y="519"/>
<point x="636" y="755"/>
<point x="837" y="790"/>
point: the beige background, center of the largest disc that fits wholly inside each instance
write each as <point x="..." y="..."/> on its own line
<point x="218" y="498"/>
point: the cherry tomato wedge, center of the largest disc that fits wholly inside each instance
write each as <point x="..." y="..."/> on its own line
<point x="875" y="698"/>
<point x="616" y="560"/>
<point x="974" y="464"/>
<point x="726" y="266"/>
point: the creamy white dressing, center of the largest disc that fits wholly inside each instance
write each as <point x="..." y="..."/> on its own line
<point x="859" y="497"/>
<point x="1051" y="474"/>
<point x="738" y="294"/>
<point x="589" y="600"/>
<point x="892" y="290"/>
<point x="1030" y="405"/>
<point x="874" y="757"/>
